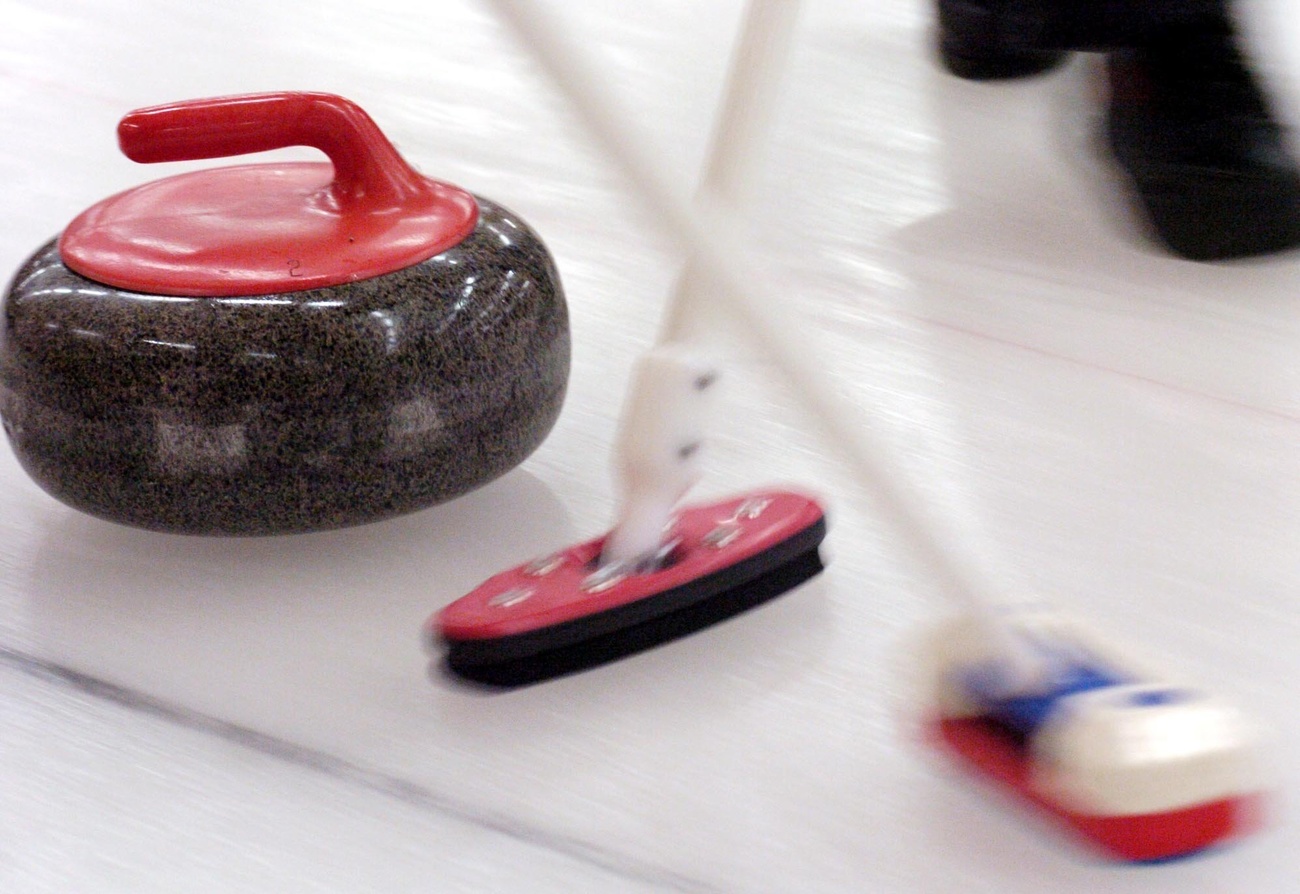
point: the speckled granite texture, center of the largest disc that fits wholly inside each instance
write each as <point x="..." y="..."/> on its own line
<point x="287" y="412"/>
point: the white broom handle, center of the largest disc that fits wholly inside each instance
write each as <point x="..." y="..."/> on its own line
<point x="753" y="83"/>
<point x="663" y="410"/>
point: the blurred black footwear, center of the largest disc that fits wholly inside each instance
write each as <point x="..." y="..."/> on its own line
<point x="986" y="40"/>
<point x="1187" y="121"/>
<point x="1192" y="130"/>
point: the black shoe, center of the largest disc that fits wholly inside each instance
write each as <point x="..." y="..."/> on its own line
<point x="986" y="40"/>
<point x="1188" y="124"/>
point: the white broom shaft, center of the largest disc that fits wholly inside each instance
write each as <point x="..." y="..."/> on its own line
<point x="709" y="234"/>
<point x="753" y="82"/>
<point x="659" y="446"/>
<point x="661" y="410"/>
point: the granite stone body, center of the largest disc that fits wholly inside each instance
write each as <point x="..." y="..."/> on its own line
<point x="287" y="412"/>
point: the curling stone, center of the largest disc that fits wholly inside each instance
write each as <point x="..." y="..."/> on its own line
<point x="286" y="347"/>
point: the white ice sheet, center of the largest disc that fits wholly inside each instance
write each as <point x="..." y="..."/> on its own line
<point x="256" y="714"/>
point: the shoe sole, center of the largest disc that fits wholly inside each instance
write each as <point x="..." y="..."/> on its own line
<point x="1209" y="215"/>
<point x="986" y="65"/>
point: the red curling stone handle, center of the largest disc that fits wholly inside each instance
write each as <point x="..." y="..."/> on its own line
<point x="366" y="166"/>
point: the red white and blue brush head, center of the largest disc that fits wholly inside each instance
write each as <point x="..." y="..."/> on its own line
<point x="1143" y="768"/>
